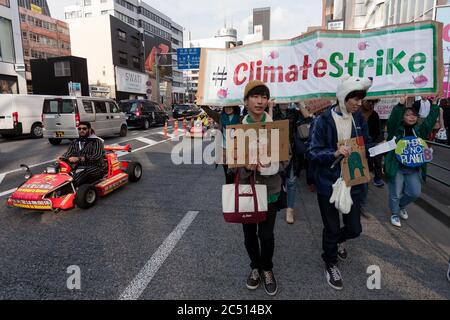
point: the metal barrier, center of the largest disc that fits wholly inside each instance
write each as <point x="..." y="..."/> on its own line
<point x="439" y="166"/>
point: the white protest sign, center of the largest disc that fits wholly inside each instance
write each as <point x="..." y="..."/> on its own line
<point x="403" y="59"/>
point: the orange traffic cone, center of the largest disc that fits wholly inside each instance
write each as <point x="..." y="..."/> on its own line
<point x="165" y="130"/>
<point x="184" y="125"/>
<point x="175" y="127"/>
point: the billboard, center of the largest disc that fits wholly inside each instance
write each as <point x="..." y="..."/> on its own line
<point x="154" y="44"/>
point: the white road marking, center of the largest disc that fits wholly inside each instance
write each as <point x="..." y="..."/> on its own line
<point x="145" y="276"/>
<point x="146" y="141"/>
<point x="2" y="176"/>
<point x="5" y="193"/>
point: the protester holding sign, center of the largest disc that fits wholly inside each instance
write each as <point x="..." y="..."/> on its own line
<point x="228" y="116"/>
<point x="404" y="165"/>
<point x="339" y="123"/>
<point x="286" y="112"/>
<point x="259" y="238"/>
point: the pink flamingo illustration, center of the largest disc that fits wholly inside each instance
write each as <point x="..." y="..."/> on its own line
<point x="363" y="45"/>
<point x="222" y="93"/>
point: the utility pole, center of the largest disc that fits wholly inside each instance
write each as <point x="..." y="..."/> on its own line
<point x="157" y="76"/>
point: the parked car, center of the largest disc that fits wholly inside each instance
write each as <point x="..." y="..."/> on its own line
<point x="143" y="113"/>
<point x="61" y="116"/>
<point x="185" y="110"/>
<point x="21" y="114"/>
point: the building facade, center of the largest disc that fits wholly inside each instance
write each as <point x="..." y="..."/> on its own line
<point x="137" y="32"/>
<point x="224" y="39"/>
<point x="42" y="37"/>
<point x="368" y="14"/>
<point x="261" y="17"/>
<point x="38" y="6"/>
<point x="12" y="67"/>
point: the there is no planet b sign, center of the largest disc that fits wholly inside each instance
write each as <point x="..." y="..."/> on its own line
<point x="413" y="152"/>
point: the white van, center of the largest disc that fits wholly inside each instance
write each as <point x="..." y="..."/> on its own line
<point x="61" y="116"/>
<point x="21" y="114"/>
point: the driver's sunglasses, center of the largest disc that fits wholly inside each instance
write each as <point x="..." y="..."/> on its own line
<point x="83" y="128"/>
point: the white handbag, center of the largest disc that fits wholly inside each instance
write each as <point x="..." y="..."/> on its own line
<point x="341" y="196"/>
<point x="244" y="203"/>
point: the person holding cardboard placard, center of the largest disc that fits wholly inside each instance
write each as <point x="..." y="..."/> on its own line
<point x="404" y="166"/>
<point x="259" y="238"/>
<point x="339" y="125"/>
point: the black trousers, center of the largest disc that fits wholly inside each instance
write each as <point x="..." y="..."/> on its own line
<point x="376" y="165"/>
<point x="260" y="241"/>
<point x="332" y="231"/>
<point x="83" y="175"/>
<point x="229" y="176"/>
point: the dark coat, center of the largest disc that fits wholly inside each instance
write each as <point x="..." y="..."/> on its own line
<point x="323" y="146"/>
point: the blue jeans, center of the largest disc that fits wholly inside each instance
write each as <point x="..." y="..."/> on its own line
<point x="406" y="188"/>
<point x="291" y="187"/>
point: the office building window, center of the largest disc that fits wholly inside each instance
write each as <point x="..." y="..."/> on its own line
<point x="104" y="12"/>
<point x="135" y="42"/>
<point x="123" y="58"/>
<point x="103" y="1"/>
<point x="122" y="35"/>
<point x="87" y="15"/>
<point x="136" y="62"/>
<point x="87" y="2"/>
<point x="24" y="35"/>
<point x="7" y="53"/>
<point x="62" y="69"/>
<point x="4" y="3"/>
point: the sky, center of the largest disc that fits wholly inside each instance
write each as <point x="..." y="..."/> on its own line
<point x="289" y="18"/>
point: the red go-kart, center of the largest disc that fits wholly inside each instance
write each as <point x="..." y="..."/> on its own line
<point x="54" y="189"/>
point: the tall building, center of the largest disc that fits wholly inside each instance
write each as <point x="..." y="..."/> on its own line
<point x="367" y="14"/>
<point x="224" y="39"/>
<point x="261" y="17"/>
<point x="135" y="32"/>
<point x="12" y="67"/>
<point x="38" y="6"/>
<point x="42" y="37"/>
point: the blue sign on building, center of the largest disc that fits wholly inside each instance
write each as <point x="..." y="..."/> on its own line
<point x="188" y="58"/>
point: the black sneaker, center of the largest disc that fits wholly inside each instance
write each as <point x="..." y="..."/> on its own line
<point x="253" y="280"/>
<point x="270" y="284"/>
<point x="342" y="253"/>
<point x="333" y="276"/>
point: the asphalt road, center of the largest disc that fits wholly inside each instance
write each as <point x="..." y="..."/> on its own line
<point x="164" y="238"/>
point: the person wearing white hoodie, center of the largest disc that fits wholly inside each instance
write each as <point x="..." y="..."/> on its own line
<point x="339" y="123"/>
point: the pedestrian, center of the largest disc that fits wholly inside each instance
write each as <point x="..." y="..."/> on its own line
<point x="422" y="106"/>
<point x="376" y="163"/>
<point x="339" y="123"/>
<point x="440" y="120"/>
<point x="446" y="117"/>
<point x="259" y="238"/>
<point x="289" y="112"/>
<point x="228" y="116"/>
<point x="404" y="181"/>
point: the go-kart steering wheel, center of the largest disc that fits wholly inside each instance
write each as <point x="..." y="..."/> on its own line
<point x="66" y="160"/>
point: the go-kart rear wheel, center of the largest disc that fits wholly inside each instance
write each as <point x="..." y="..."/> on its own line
<point x="86" y="196"/>
<point x="134" y="171"/>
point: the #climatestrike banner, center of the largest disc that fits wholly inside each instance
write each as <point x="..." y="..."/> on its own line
<point x="402" y="59"/>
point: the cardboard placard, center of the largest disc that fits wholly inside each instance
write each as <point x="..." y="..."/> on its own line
<point x="355" y="168"/>
<point x="252" y="143"/>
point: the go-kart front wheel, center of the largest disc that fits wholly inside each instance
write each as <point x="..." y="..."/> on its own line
<point x="134" y="171"/>
<point x="86" y="196"/>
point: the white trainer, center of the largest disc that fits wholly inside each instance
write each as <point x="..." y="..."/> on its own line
<point x="395" y="220"/>
<point x="403" y="214"/>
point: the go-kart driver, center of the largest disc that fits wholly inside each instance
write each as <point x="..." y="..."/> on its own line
<point x="86" y="154"/>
